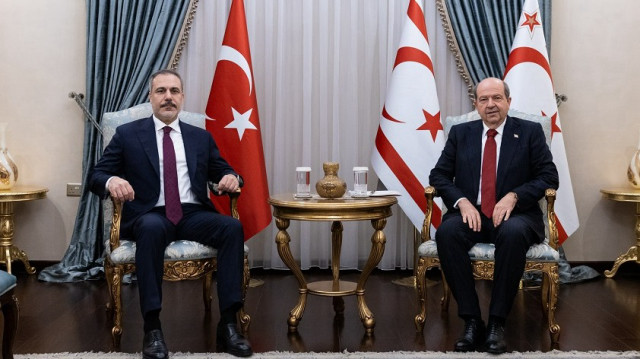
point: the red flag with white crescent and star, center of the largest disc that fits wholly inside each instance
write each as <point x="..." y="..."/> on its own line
<point x="232" y="120"/>
<point x="528" y="75"/>
<point x="410" y="136"/>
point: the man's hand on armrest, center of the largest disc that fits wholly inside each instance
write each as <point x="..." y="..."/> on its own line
<point x="228" y="183"/>
<point x="120" y="189"/>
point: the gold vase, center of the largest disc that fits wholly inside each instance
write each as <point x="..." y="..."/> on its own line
<point x="331" y="186"/>
<point x="8" y="168"/>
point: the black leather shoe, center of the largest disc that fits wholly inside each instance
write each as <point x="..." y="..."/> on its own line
<point x="495" y="343"/>
<point x="153" y="346"/>
<point x="473" y="336"/>
<point x="232" y="342"/>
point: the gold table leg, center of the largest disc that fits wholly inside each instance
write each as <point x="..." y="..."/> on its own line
<point x="378" y="240"/>
<point x="632" y="253"/>
<point x="282" y="240"/>
<point x="8" y="251"/>
<point x="336" y="249"/>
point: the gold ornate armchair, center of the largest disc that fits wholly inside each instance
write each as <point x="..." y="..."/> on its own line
<point x="542" y="257"/>
<point x="183" y="259"/>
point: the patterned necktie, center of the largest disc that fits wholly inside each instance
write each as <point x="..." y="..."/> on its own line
<point x="173" y="208"/>
<point x="488" y="186"/>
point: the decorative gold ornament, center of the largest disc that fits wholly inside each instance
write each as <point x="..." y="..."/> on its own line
<point x="331" y="186"/>
<point x="633" y="171"/>
<point x="8" y="168"/>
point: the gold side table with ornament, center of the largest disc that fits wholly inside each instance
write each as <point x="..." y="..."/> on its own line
<point x="375" y="209"/>
<point x="8" y="197"/>
<point x="625" y="195"/>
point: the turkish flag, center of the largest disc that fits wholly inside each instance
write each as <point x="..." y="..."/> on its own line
<point x="410" y="136"/>
<point x="232" y="120"/>
<point x="528" y="75"/>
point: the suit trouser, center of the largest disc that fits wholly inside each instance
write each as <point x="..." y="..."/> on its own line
<point x="153" y="232"/>
<point x="512" y="240"/>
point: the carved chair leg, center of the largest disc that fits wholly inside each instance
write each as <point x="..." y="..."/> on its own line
<point x="10" y="311"/>
<point x="544" y="289"/>
<point x="108" y="273"/>
<point x="243" y="317"/>
<point x="421" y="290"/>
<point x="550" y="286"/>
<point x="116" y="295"/>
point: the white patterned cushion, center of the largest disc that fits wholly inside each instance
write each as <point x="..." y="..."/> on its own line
<point x="176" y="250"/>
<point x="485" y="251"/>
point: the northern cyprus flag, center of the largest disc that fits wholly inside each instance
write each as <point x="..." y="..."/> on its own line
<point x="528" y="75"/>
<point x="410" y="136"/>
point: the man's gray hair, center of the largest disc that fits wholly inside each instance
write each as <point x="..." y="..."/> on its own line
<point x="507" y="92"/>
<point x="164" y="72"/>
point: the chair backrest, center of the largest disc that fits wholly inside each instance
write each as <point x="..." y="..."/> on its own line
<point x="111" y="120"/>
<point x="544" y="121"/>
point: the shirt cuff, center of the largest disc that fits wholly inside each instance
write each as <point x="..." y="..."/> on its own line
<point x="455" y="205"/>
<point x="106" y="185"/>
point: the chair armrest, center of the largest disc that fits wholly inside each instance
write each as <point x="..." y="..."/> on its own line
<point x="233" y="203"/>
<point x="114" y="233"/>
<point x="550" y="196"/>
<point x="233" y="198"/>
<point x="429" y="193"/>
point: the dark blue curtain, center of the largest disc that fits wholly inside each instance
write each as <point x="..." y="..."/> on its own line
<point x="126" y="42"/>
<point x="484" y="30"/>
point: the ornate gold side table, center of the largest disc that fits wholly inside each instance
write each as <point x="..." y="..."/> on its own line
<point x="375" y="209"/>
<point x="8" y="251"/>
<point x="625" y="195"/>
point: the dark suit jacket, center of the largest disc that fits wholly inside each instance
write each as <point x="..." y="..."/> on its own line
<point x="133" y="155"/>
<point x="525" y="166"/>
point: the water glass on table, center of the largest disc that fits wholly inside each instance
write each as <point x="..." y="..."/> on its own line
<point x="303" y="182"/>
<point x="360" y="182"/>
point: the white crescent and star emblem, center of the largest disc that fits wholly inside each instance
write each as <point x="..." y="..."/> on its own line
<point x="230" y="54"/>
<point x="240" y="121"/>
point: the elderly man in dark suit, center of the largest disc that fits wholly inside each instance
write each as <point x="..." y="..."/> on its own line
<point x="490" y="175"/>
<point x="159" y="167"/>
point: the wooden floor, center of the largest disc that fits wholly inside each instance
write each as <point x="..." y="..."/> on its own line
<point x="602" y="314"/>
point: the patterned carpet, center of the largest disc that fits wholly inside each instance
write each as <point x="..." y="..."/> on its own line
<point x="348" y="355"/>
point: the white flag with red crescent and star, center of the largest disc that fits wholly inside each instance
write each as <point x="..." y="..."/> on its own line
<point x="232" y="119"/>
<point x="528" y="75"/>
<point x="410" y="136"/>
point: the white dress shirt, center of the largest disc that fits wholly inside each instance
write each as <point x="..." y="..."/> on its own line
<point x="184" y="183"/>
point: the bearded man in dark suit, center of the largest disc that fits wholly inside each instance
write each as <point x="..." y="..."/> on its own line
<point x="132" y="170"/>
<point x="498" y="206"/>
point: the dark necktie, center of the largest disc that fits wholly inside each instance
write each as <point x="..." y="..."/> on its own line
<point x="488" y="186"/>
<point x="173" y="208"/>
